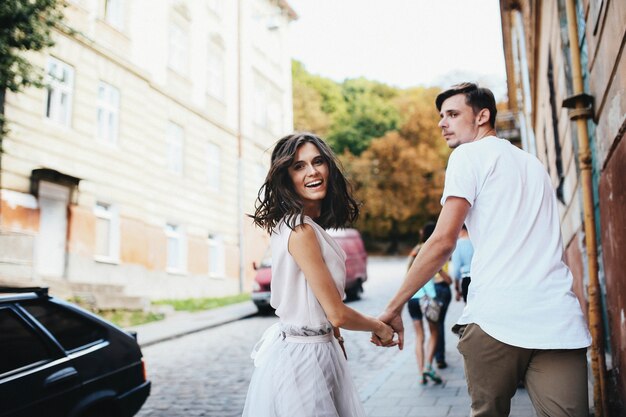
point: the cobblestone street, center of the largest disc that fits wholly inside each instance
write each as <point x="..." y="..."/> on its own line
<point x="207" y="373"/>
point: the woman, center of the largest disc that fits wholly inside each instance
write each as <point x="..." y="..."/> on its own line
<point x="426" y="372"/>
<point x="300" y="369"/>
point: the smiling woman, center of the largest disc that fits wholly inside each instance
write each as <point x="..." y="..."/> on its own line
<point x="309" y="174"/>
<point x="300" y="361"/>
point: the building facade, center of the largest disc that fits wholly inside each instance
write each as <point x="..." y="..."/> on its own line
<point x="135" y="167"/>
<point x="541" y="85"/>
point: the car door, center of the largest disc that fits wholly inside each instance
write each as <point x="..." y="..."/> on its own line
<point x="36" y="377"/>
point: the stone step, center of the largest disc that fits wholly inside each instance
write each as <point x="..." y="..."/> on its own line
<point x="120" y="302"/>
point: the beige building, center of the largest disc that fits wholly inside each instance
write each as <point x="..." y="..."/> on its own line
<point x="564" y="92"/>
<point x="131" y="172"/>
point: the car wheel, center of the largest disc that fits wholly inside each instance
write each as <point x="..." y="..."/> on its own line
<point x="101" y="410"/>
<point x="354" y="293"/>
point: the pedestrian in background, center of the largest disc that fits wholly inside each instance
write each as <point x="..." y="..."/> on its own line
<point x="522" y="319"/>
<point x="300" y="362"/>
<point x="460" y="265"/>
<point x="424" y="349"/>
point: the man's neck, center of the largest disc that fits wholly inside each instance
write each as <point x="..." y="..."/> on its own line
<point x="485" y="132"/>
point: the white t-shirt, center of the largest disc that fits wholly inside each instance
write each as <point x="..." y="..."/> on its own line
<point x="521" y="291"/>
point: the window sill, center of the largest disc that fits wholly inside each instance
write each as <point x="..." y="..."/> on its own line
<point x="106" y="260"/>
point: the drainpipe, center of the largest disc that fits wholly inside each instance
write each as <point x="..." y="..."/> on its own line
<point x="581" y="109"/>
<point x="240" y="184"/>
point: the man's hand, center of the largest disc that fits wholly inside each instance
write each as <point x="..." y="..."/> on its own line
<point x="395" y="321"/>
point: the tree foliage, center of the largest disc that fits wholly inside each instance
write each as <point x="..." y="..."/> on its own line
<point x="369" y="114"/>
<point x="348" y="115"/>
<point x="25" y="25"/>
<point x="389" y="143"/>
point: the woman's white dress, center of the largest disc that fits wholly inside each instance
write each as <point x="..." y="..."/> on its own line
<point x="300" y="370"/>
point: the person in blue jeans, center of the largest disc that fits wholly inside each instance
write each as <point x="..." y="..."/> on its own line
<point x="442" y="289"/>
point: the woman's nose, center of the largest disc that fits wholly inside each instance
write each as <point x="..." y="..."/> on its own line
<point x="311" y="169"/>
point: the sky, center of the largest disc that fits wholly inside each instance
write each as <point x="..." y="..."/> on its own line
<point x="403" y="43"/>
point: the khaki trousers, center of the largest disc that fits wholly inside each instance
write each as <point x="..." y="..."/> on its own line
<point x="556" y="380"/>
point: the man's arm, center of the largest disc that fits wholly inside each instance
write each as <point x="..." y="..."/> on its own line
<point x="432" y="256"/>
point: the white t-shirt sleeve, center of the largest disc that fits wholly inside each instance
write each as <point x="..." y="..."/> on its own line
<point x="461" y="179"/>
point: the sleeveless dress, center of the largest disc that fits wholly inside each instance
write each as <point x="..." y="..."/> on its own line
<point x="300" y="370"/>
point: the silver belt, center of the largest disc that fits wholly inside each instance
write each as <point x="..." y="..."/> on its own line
<point x="322" y="338"/>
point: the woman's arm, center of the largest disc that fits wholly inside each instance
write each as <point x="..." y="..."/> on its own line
<point x="305" y="249"/>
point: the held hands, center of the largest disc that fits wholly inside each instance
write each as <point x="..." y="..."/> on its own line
<point x="384" y="334"/>
<point x="394" y="321"/>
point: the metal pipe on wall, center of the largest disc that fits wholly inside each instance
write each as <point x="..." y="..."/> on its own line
<point x="240" y="179"/>
<point x="582" y="110"/>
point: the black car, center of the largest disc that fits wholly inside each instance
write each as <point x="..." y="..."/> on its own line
<point x="57" y="359"/>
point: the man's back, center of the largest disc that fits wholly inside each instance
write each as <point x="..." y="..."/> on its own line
<point x="521" y="290"/>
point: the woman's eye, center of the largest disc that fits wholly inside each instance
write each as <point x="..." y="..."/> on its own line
<point x="319" y="161"/>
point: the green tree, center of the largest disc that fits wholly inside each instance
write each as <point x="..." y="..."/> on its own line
<point x="400" y="176"/>
<point x="369" y="114"/>
<point x="317" y="101"/>
<point x="25" y="26"/>
<point x="399" y="184"/>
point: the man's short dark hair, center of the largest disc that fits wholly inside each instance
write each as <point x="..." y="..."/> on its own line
<point x="476" y="97"/>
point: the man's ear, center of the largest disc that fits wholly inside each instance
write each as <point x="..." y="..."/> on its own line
<point x="483" y="116"/>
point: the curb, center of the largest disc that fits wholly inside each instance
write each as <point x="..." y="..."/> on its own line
<point x="183" y="323"/>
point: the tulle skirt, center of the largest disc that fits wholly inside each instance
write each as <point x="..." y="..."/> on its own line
<point x="301" y="372"/>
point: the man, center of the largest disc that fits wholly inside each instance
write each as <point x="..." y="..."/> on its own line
<point x="460" y="264"/>
<point x="522" y="320"/>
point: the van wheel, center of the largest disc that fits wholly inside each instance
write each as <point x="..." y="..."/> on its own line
<point x="354" y="293"/>
<point x="265" y="310"/>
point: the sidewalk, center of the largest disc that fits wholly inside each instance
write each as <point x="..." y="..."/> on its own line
<point x="397" y="390"/>
<point x="182" y="323"/>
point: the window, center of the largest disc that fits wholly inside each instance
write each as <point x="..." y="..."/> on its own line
<point x="114" y="13"/>
<point x="175" y="139"/>
<point x="60" y="83"/>
<point x="215" y="71"/>
<point x="216" y="6"/>
<point x="213" y="165"/>
<point x="178" y="49"/>
<point x="70" y="329"/>
<point x="107" y="232"/>
<point x="108" y="112"/>
<point x="176" y="253"/>
<point x="216" y="256"/>
<point x="267" y="106"/>
<point x="555" y="132"/>
<point x="260" y="103"/>
<point x="19" y="345"/>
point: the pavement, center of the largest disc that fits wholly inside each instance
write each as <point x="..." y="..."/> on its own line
<point x="391" y="391"/>
<point x="183" y="323"/>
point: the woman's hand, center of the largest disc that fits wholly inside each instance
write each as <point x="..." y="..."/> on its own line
<point x="385" y="334"/>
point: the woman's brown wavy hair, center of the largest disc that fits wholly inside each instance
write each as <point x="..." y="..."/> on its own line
<point x="277" y="198"/>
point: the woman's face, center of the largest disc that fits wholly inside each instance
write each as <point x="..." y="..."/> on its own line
<point x="309" y="174"/>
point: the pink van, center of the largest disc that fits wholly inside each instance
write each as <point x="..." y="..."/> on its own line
<point x="356" y="269"/>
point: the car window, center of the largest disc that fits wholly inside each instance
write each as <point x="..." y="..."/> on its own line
<point x="70" y="329"/>
<point x="20" y="346"/>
